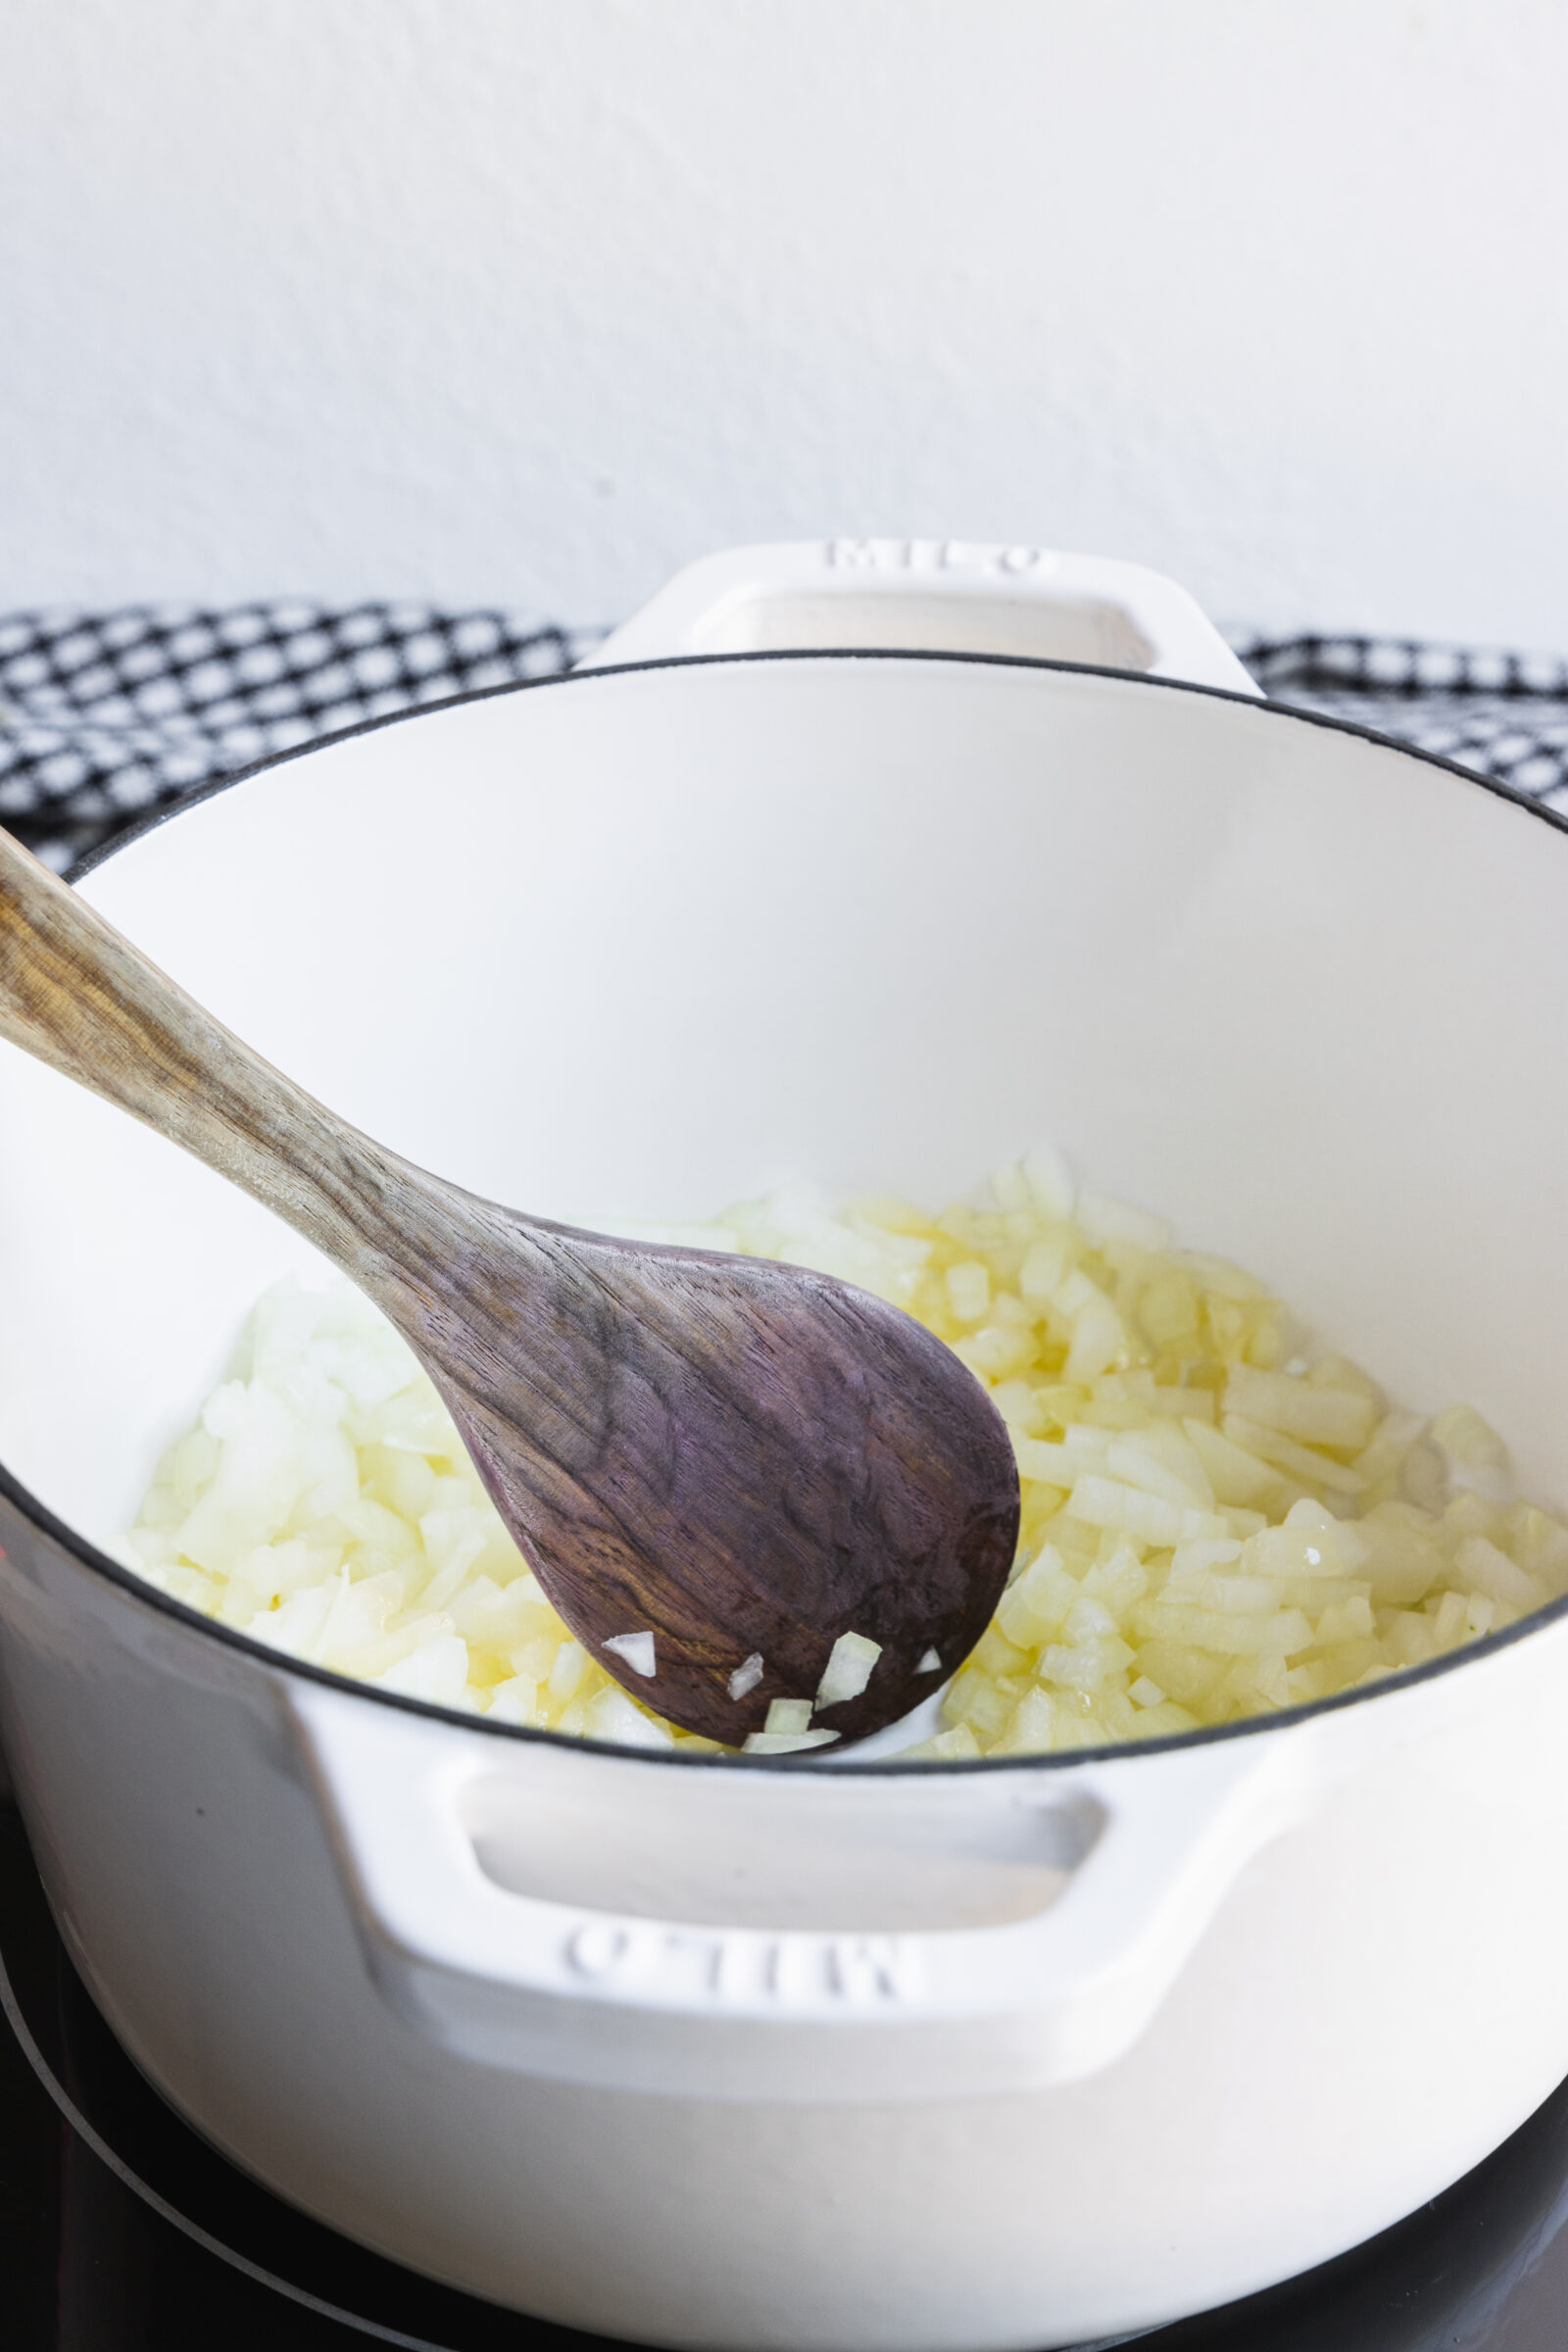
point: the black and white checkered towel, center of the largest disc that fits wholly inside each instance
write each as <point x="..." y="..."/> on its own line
<point x="1505" y="715"/>
<point x="104" y="716"/>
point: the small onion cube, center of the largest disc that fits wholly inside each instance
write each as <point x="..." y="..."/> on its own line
<point x="847" y="1669"/>
<point x="611" y="1715"/>
<point x="789" y="1715"/>
<point x="747" y="1675"/>
<point x="637" y="1650"/>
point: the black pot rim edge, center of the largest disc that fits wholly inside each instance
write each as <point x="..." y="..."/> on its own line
<point x="88" y="1556"/>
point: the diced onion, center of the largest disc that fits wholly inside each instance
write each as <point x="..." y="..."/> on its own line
<point x="1216" y="1524"/>
<point x="789" y="1715"/>
<point x="637" y="1650"/>
<point x="847" y="1669"/>
<point x="747" y="1675"/>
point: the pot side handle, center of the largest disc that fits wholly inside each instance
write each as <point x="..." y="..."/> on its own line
<point x="930" y="596"/>
<point x="688" y="2009"/>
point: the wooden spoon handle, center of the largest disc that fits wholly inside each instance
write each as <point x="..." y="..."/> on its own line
<point x="77" y="994"/>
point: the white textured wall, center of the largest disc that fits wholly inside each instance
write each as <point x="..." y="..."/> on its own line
<point x="534" y="299"/>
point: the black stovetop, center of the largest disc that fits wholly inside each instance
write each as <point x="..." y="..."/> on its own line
<point x="122" y="2232"/>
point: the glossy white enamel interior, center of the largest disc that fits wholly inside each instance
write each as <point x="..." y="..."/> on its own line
<point x="641" y="943"/>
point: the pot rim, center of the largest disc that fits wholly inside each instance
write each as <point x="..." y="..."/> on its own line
<point x="87" y="1554"/>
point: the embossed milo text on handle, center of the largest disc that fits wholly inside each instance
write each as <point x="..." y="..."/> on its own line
<point x="791" y="1971"/>
<point x="961" y="555"/>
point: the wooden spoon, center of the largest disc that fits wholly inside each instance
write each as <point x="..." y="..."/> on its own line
<point x="742" y="1459"/>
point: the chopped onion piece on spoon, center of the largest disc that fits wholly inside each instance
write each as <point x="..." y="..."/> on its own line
<point x="789" y="1715"/>
<point x="747" y="1675"/>
<point x="636" y="1648"/>
<point x="847" y="1669"/>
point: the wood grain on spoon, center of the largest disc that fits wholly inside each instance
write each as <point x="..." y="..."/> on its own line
<point x="738" y="1456"/>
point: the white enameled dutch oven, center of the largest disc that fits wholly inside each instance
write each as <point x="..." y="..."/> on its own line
<point x="766" y="2054"/>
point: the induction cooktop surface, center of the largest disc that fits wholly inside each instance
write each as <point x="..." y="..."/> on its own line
<point x="122" y="2231"/>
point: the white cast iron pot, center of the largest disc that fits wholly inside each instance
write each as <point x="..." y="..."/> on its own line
<point x="745" y="2055"/>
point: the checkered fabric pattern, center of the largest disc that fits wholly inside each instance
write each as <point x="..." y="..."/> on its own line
<point x="104" y="716"/>
<point x="1504" y="713"/>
